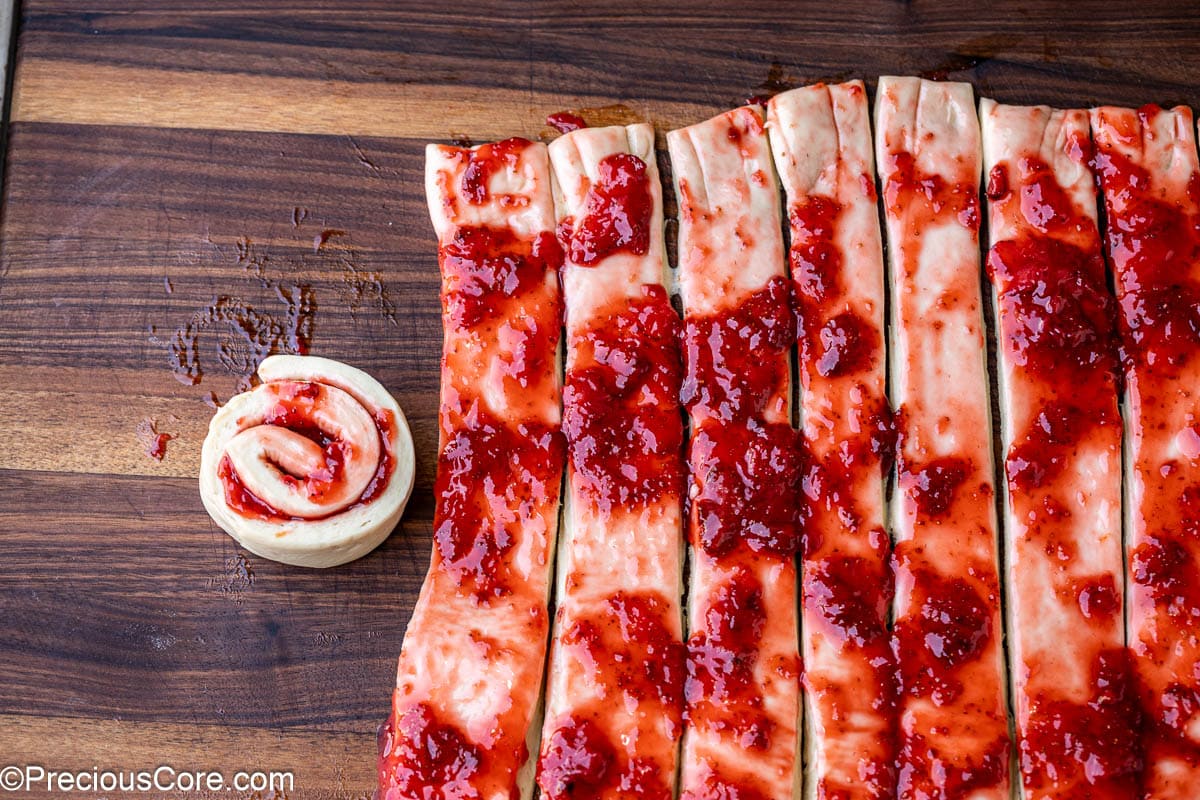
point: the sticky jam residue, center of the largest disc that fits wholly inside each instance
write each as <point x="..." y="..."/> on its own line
<point x="620" y="405"/>
<point x="295" y="407"/>
<point x="617" y="215"/>
<point x="152" y="439"/>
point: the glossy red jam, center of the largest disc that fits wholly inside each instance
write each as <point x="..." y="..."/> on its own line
<point x="720" y="787"/>
<point x="422" y="757"/>
<point x="736" y="359"/>
<point x="1098" y="597"/>
<point x="747" y="478"/>
<point x="621" y="411"/>
<point x="484" y="162"/>
<point x="1094" y="743"/>
<point x="617" y="213"/>
<point x="909" y="192"/>
<point x="721" y="690"/>
<point x="1047" y="446"/>
<point x="851" y="595"/>
<point x="927" y="773"/>
<point x="1154" y="245"/>
<point x="631" y="646"/>
<point x="1165" y="567"/>
<point x="484" y="269"/>
<point x="294" y="410"/>
<point x="951" y="626"/>
<point x="578" y="762"/>
<point x="815" y="257"/>
<point x="845" y="344"/>
<point x="565" y="122"/>
<point x="933" y="486"/>
<point x="490" y="478"/>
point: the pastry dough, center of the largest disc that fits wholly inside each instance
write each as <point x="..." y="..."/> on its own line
<point x="313" y="467"/>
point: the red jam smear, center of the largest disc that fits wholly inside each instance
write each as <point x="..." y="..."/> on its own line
<point x="851" y="595"/>
<point x="485" y="269"/>
<point x="1059" y="319"/>
<point x="829" y="483"/>
<point x="294" y="410"/>
<point x="746" y="478"/>
<point x="1089" y="750"/>
<point x="484" y="162"/>
<point x="1098" y="597"/>
<point x="846" y="344"/>
<point x="927" y="773"/>
<point x="631" y="646"/>
<point x="721" y="691"/>
<point x="721" y="787"/>
<point x="910" y="192"/>
<point x="934" y="485"/>
<point x="1046" y="447"/>
<point x="491" y="477"/>
<point x="422" y="757"/>
<point x="620" y="405"/>
<point x="566" y="121"/>
<point x="579" y="762"/>
<point x="618" y="213"/>
<point x="1154" y="245"/>
<point x="816" y="261"/>
<point x="951" y="626"/>
<point x="734" y="359"/>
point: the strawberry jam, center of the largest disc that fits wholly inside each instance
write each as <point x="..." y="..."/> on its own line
<point x="747" y="476"/>
<point x="422" y="757"/>
<point x="933" y="486"/>
<point x="1096" y="739"/>
<point x="621" y="408"/>
<point x="490" y="478"/>
<point x="485" y="268"/>
<point x="721" y="691"/>
<point x="484" y="162"/>
<point x="565" y="121"/>
<point x="295" y="409"/>
<point x="910" y="191"/>
<point x="1154" y="244"/>
<point x="733" y="358"/>
<point x="951" y="627"/>
<point x="579" y="763"/>
<point x="631" y="646"/>
<point x="617" y="212"/>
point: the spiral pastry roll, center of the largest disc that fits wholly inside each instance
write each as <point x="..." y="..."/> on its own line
<point x="313" y="467"/>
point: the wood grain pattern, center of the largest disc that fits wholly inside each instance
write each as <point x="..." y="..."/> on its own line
<point x="165" y="153"/>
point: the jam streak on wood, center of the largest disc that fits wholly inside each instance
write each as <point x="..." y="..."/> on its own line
<point x="1150" y="177"/>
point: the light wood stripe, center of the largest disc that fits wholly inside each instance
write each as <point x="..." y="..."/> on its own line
<point x="343" y="771"/>
<point x="60" y="91"/>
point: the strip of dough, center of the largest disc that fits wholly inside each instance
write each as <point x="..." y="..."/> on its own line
<point x="743" y="690"/>
<point x="1151" y="182"/>
<point x="953" y="727"/>
<point x="614" y="691"/>
<point x="1061" y="430"/>
<point x="821" y="136"/>
<point x="468" y="683"/>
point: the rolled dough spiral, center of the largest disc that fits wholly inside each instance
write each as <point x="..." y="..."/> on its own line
<point x="313" y="467"/>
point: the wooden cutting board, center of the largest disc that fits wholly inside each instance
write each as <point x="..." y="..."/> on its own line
<point x="168" y="158"/>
